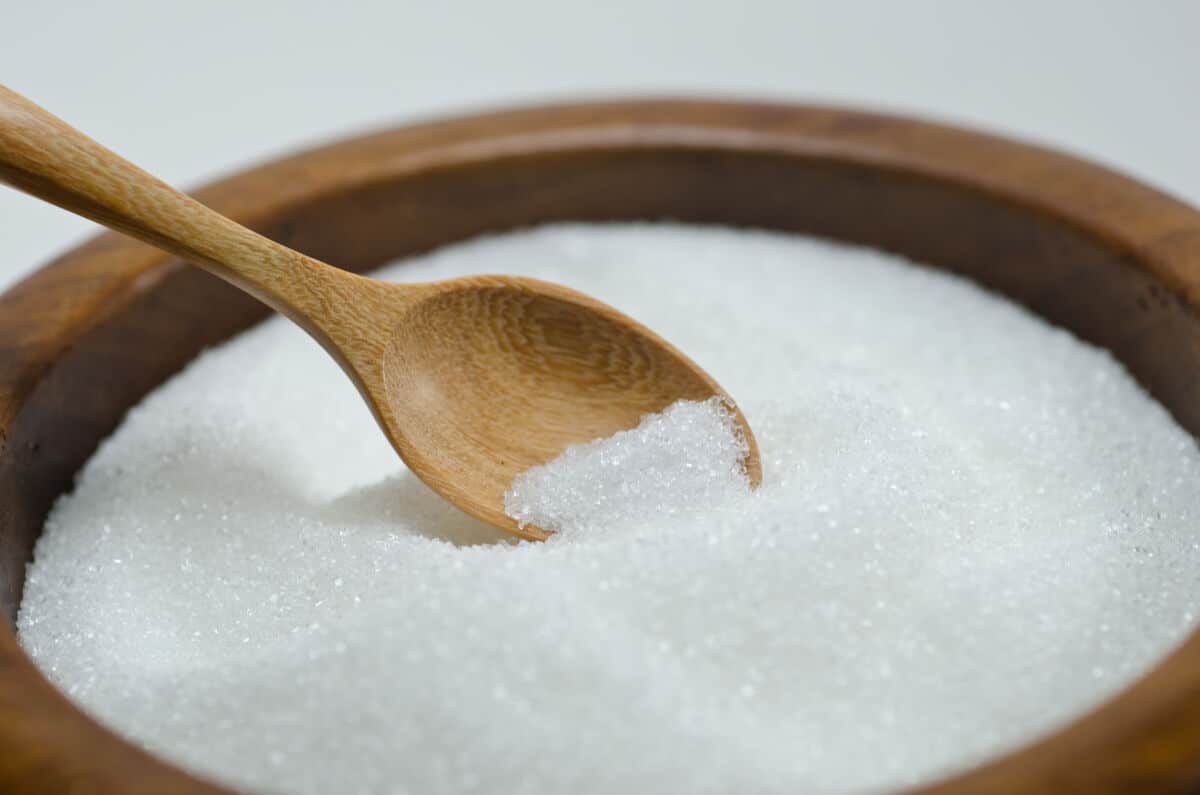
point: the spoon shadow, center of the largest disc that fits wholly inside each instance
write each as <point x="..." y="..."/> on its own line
<point x="404" y="499"/>
<point x="245" y="491"/>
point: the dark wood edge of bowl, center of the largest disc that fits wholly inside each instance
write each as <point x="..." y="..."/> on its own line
<point x="1147" y="738"/>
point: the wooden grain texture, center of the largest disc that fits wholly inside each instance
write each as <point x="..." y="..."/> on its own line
<point x="1113" y="260"/>
<point x="473" y="380"/>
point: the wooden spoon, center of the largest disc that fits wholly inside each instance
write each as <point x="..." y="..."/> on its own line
<point x="473" y="380"/>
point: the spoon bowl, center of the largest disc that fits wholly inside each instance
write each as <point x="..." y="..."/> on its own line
<point x="473" y="380"/>
<point x="485" y="377"/>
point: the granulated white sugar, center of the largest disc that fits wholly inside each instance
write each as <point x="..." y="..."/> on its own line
<point x="688" y="457"/>
<point x="971" y="527"/>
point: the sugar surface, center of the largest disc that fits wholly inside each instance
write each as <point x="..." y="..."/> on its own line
<point x="687" y="458"/>
<point x="971" y="527"/>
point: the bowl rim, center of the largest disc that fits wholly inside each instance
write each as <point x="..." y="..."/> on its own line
<point x="1146" y="736"/>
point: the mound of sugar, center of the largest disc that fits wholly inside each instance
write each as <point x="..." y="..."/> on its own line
<point x="681" y="460"/>
<point x="971" y="527"/>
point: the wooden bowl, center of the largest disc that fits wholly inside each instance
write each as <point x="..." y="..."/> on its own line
<point x="1116" y="262"/>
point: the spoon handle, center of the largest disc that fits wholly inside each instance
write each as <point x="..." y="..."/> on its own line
<point x="44" y="156"/>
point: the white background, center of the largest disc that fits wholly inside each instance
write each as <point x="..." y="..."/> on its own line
<point x="192" y="90"/>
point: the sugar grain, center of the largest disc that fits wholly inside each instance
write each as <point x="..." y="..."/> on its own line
<point x="972" y="527"/>
<point x="686" y="458"/>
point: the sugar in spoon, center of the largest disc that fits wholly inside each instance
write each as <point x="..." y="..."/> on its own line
<point x="473" y="380"/>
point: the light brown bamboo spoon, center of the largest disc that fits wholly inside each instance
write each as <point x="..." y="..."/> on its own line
<point x="473" y="380"/>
